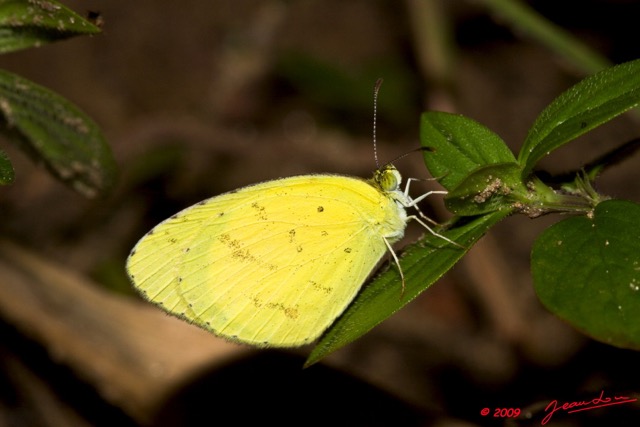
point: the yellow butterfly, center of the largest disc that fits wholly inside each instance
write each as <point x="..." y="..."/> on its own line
<point x="273" y="264"/>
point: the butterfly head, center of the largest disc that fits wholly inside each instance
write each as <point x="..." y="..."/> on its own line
<point x="387" y="178"/>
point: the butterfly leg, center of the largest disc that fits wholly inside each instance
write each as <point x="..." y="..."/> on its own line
<point x="409" y="202"/>
<point x="397" y="261"/>
<point x="414" y="202"/>
<point x="410" y="180"/>
<point x="432" y="231"/>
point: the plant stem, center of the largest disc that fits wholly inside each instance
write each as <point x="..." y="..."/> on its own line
<point x="524" y="19"/>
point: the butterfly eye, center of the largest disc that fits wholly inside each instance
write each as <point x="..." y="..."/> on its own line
<point x="388" y="178"/>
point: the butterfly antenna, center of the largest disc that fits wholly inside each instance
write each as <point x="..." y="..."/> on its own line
<point x="402" y="156"/>
<point x="376" y="89"/>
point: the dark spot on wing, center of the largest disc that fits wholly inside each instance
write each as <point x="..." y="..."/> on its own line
<point x="318" y="287"/>
<point x="289" y="311"/>
<point x="244" y="255"/>
<point x="261" y="211"/>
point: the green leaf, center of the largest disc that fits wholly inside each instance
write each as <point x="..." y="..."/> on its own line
<point x="6" y="169"/>
<point x="422" y="264"/>
<point x="588" y="104"/>
<point x="25" y="24"/>
<point x="587" y="271"/>
<point x="459" y="146"/>
<point x="487" y="189"/>
<point x="56" y="132"/>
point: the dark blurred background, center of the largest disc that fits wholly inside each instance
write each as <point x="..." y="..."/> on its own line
<point x="200" y="97"/>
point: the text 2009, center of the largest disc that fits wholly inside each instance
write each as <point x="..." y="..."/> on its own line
<point x="506" y="412"/>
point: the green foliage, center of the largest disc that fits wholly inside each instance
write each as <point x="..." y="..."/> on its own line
<point x="456" y="149"/>
<point x="590" y="103"/>
<point x="7" y="174"/>
<point x="25" y="24"/>
<point x="45" y="125"/>
<point x="586" y="268"/>
<point x="587" y="271"/>
<point x="56" y="132"/>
